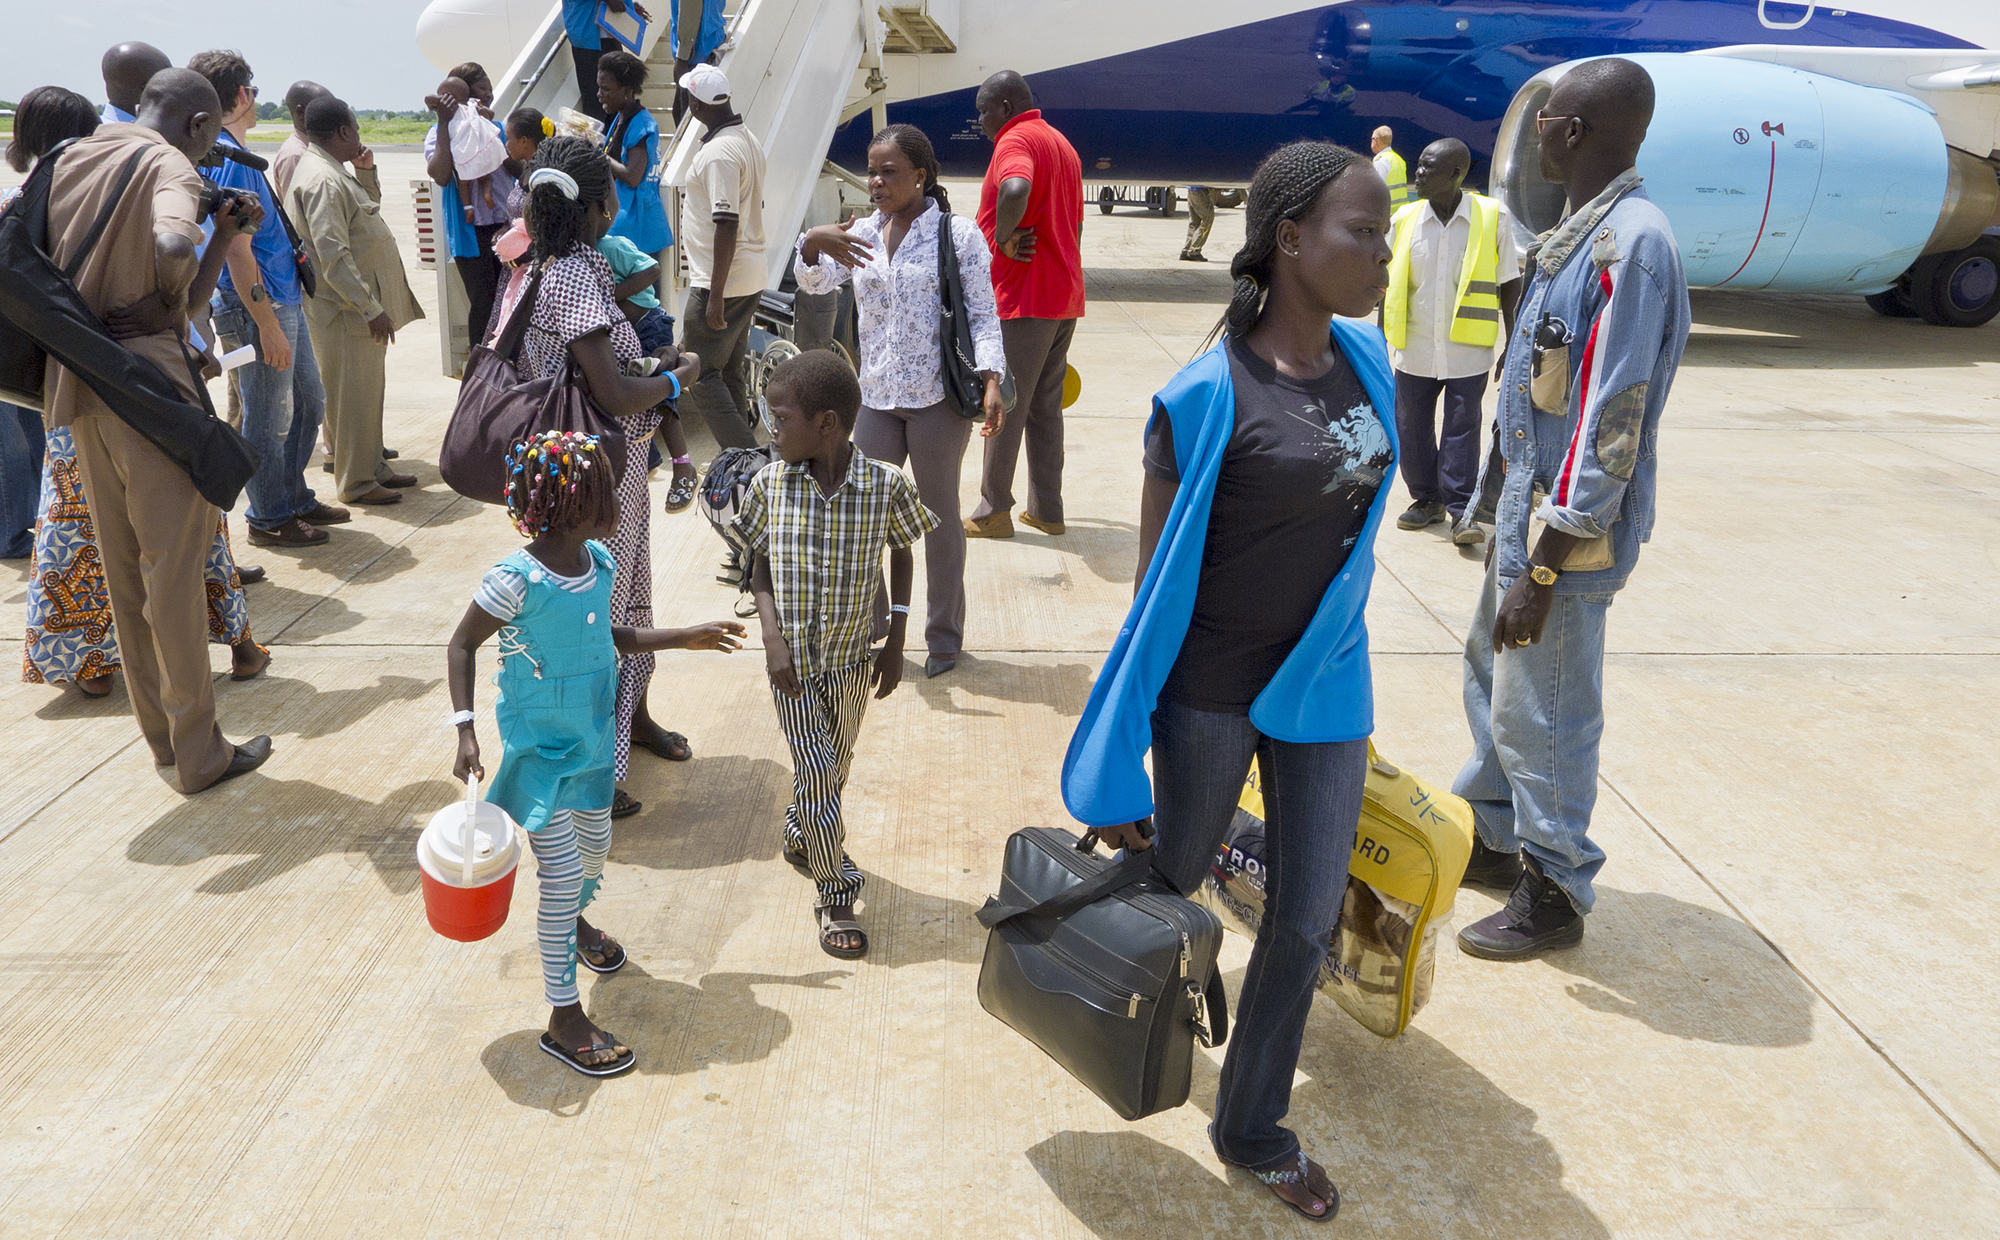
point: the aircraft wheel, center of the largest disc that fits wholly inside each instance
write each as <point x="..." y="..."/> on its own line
<point x="1960" y="288"/>
<point x="1168" y="199"/>
<point x="1892" y="303"/>
<point x="1106" y="199"/>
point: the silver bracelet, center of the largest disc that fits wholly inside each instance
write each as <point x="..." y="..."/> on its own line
<point x="457" y="717"/>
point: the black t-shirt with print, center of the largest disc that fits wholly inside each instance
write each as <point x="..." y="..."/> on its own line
<point x="1302" y="467"/>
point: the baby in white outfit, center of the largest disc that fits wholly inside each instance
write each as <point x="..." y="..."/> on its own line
<point x="476" y="149"/>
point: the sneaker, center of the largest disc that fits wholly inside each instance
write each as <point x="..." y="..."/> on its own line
<point x="1467" y="534"/>
<point x="992" y="525"/>
<point x="1421" y="514"/>
<point x="293" y="533"/>
<point x="1538" y="918"/>
<point x="1491" y="868"/>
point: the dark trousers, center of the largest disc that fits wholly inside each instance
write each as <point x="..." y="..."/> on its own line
<point x="721" y="395"/>
<point x="481" y="276"/>
<point x="586" y="81"/>
<point x="1312" y="802"/>
<point x="1038" y="354"/>
<point x="1439" y="469"/>
<point x="22" y="445"/>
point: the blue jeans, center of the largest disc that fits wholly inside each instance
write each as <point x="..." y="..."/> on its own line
<point x="282" y="412"/>
<point x="1536" y="718"/>
<point x="1312" y="801"/>
<point x="21" y="446"/>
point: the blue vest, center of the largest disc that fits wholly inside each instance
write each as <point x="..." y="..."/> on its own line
<point x="1322" y="692"/>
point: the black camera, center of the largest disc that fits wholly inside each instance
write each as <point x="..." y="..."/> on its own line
<point x="213" y="198"/>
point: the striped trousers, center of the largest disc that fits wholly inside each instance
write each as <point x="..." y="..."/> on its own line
<point x="820" y="726"/>
<point x="569" y="860"/>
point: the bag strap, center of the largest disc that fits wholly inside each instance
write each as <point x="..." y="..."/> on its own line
<point x="194" y="369"/>
<point x="291" y="234"/>
<point x="103" y="215"/>
<point x="1115" y="877"/>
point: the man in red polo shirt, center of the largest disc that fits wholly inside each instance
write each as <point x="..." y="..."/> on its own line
<point x="1031" y="210"/>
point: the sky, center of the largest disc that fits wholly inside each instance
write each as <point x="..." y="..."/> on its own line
<point x="365" y="51"/>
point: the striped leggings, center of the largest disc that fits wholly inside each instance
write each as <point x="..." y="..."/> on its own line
<point x="820" y="726"/>
<point x="569" y="856"/>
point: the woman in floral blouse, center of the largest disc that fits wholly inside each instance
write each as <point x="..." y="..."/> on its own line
<point x="892" y="257"/>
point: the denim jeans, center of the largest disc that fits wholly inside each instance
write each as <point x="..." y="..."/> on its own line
<point x="1536" y="718"/>
<point x="1312" y="801"/>
<point x="21" y="447"/>
<point x="282" y="412"/>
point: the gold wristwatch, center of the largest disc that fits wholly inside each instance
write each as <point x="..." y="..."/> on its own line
<point x="1543" y="574"/>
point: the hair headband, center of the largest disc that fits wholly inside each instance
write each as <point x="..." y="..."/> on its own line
<point x="554" y="176"/>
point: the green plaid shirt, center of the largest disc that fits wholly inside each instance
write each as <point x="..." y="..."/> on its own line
<point x="826" y="553"/>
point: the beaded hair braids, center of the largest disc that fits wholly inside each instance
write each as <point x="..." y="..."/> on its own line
<point x="1286" y="186"/>
<point x="557" y="481"/>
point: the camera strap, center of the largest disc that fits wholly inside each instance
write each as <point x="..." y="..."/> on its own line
<point x="103" y="219"/>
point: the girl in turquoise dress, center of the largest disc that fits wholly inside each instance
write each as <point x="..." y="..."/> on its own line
<point x="632" y="143"/>
<point x="550" y="604"/>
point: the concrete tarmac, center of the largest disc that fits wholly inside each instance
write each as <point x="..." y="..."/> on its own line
<point x="224" y="1015"/>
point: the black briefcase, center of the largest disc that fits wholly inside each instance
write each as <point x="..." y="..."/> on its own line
<point x="1104" y="966"/>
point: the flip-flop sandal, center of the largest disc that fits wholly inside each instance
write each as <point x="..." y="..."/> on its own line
<point x="828" y="925"/>
<point x="624" y="1063"/>
<point x="1300" y="1174"/>
<point x="669" y="745"/>
<point x="611" y="965"/>
<point x="623" y="806"/>
<point x="261" y="667"/>
<point x="680" y="496"/>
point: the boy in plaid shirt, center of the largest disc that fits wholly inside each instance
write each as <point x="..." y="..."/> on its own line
<point x="818" y="519"/>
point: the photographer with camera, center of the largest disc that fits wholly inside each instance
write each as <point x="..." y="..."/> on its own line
<point x="363" y="297"/>
<point x="153" y="527"/>
<point x="258" y="303"/>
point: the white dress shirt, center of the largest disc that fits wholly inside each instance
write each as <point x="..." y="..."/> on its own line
<point x="897" y="298"/>
<point x="1436" y="251"/>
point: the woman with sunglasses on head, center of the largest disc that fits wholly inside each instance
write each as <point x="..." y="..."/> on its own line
<point x="892" y="257"/>
<point x="1266" y="462"/>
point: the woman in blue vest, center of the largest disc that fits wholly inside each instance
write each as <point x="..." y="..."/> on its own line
<point x="632" y="143"/>
<point x="1266" y="459"/>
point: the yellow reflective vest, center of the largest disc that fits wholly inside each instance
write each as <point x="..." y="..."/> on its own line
<point x="1476" y="319"/>
<point x="1400" y="189"/>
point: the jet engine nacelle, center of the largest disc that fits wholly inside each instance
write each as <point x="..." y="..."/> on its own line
<point x="1775" y="178"/>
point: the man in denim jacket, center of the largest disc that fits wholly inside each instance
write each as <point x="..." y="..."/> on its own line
<point x="1569" y="487"/>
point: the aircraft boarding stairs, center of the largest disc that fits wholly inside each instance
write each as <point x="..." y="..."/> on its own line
<point x="795" y="73"/>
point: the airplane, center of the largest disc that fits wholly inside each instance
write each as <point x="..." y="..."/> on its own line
<point x="1795" y="146"/>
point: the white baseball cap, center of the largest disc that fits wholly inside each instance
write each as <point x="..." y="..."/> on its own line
<point x="706" y="83"/>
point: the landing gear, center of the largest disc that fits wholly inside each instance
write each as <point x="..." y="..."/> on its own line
<point x="1107" y="198"/>
<point x="1163" y="198"/>
<point x="1893" y="302"/>
<point x="1960" y="288"/>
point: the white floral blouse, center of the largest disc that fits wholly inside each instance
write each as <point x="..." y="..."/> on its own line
<point x="898" y="303"/>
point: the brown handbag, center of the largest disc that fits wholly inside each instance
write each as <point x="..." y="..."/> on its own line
<point x="497" y="409"/>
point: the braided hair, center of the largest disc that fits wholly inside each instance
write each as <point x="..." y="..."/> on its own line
<point x="916" y="148"/>
<point x="555" y="220"/>
<point x="1286" y="186"/>
<point x="559" y="480"/>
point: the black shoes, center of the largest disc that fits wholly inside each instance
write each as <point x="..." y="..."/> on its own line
<point x="1491" y="868"/>
<point x="1538" y="918"/>
<point x="1421" y="514"/>
<point x="250" y="755"/>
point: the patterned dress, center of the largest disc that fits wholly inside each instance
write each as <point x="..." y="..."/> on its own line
<point x="70" y="634"/>
<point x="574" y="300"/>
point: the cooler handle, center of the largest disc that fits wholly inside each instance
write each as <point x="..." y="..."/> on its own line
<point x="466" y="840"/>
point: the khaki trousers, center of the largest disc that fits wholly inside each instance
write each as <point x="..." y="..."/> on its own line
<point x="354" y="370"/>
<point x="1038" y="354"/>
<point x="153" y="532"/>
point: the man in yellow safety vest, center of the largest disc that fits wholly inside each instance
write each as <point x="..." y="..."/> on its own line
<point x="1390" y="167"/>
<point x="1454" y="277"/>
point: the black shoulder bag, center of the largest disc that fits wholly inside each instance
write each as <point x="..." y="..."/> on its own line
<point x="964" y="390"/>
<point x="41" y="305"/>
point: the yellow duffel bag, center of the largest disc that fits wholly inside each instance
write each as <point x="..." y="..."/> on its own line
<point x="1410" y="850"/>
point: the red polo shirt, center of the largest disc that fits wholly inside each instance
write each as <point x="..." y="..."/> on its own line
<point x="1050" y="285"/>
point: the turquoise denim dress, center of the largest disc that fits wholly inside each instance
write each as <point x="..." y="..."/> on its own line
<point x="642" y="215"/>
<point x="557" y="708"/>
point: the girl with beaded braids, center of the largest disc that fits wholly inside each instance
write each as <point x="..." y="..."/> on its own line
<point x="1266" y="459"/>
<point x="550" y="604"/>
<point x="573" y="315"/>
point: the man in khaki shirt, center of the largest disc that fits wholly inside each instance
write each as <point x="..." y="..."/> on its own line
<point x="297" y="100"/>
<point x="153" y="528"/>
<point x="363" y="296"/>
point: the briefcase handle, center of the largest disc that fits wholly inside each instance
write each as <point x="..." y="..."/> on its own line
<point x="1088" y="844"/>
<point x="1115" y="877"/>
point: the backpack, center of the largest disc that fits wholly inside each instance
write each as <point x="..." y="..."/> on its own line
<point x="722" y="493"/>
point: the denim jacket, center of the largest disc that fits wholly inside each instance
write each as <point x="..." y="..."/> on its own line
<point x="1609" y="280"/>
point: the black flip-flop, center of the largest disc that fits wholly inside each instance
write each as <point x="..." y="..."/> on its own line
<point x="615" y="963"/>
<point x="680" y="496"/>
<point x="662" y="744"/>
<point x="623" y="806"/>
<point x="624" y="1063"/>
<point x="829" y="926"/>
